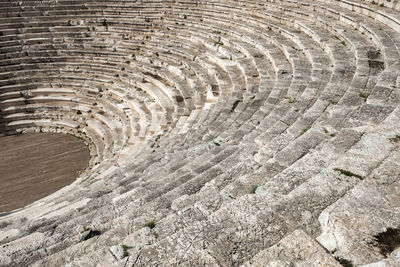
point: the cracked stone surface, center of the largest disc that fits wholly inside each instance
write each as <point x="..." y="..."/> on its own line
<point x="221" y="133"/>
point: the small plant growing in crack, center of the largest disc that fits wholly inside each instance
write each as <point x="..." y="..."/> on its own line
<point x="305" y="129"/>
<point x="151" y="224"/>
<point x="363" y="96"/>
<point x="253" y="189"/>
<point x="395" y="139"/>
<point x="291" y="99"/>
<point x="125" y="250"/>
<point x="216" y="43"/>
<point x="344" y="262"/>
<point x="328" y="133"/>
<point x="348" y="173"/>
<point x="85" y="229"/>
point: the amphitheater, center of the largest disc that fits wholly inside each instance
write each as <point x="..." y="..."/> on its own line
<point x="221" y="133"/>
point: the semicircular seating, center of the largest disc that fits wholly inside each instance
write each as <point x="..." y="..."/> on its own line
<point x="221" y="133"/>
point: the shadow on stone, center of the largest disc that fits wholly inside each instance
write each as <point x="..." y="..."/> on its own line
<point x="92" y="233"/>
<point x="388" y="241"/>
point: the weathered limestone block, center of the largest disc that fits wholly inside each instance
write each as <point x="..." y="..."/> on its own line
<point x="296" y="249"/>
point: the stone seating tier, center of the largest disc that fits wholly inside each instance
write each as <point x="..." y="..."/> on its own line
<point x="221" y="133"/>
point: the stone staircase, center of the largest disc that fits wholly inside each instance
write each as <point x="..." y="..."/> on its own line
<point x="233" y="133"/>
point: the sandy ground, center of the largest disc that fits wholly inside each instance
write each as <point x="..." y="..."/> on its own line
<point x="35" y="165"/>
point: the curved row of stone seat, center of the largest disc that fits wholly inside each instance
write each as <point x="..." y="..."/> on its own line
<point x="312" y="112"/>
<point x="49" y="96"/>
<point x="253" y="95"/>
<point x="147" y="189"/>
<point x="275" y="196"/>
